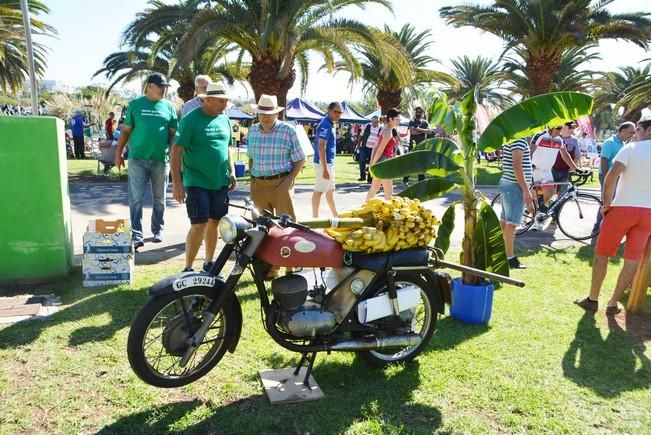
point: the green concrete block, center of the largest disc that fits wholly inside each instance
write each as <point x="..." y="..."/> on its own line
<point x="35" y="228"/>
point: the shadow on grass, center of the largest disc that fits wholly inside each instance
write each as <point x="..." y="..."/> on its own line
<point x="354" y="393"/>
<point x="120" y="304"/>
<point x="450" y="333"/>
<point x="608" y="367"/>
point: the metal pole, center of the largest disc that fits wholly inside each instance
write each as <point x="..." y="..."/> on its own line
<point x="30" y="56"/>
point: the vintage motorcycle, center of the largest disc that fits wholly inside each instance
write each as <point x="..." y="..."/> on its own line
<point x="383" y="306"/>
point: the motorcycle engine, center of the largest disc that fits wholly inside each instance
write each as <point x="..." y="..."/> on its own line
<point x="298" y="316"/>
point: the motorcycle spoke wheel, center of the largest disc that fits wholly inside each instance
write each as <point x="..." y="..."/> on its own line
<point x="160" y="339"/>
<point x="419" y="320"/>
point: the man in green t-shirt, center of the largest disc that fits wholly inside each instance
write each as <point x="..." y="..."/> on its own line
<point x="149" y="127"/>
<point x="201" y="147"/>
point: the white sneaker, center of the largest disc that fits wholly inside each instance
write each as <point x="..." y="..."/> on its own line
<point x="537" y="226"/>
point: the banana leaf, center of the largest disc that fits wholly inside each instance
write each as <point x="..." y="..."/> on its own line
<point x="445" y="229"/>
<point x="414" y="163"/>
<point x="532" y="115"/>
<point x="441" y="145"/>
<point x="429" y="188"/>
<point x="488" y="242"/>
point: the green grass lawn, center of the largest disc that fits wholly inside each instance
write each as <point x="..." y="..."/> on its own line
<point x="541" y="366"/>
<point x="347" y="171"/>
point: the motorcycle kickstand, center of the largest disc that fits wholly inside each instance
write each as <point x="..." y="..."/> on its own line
<point x="310" y="365"/>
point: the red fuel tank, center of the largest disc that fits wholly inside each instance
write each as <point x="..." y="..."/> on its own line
<point x="291" y="247"/>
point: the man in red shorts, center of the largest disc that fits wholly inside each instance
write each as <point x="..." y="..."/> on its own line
<point x="628" y="214"/>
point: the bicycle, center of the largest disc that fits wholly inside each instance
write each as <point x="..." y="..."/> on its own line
<point x="575" y="212"/>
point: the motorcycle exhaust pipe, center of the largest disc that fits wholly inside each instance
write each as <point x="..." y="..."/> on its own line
<point x="370" y="343"/>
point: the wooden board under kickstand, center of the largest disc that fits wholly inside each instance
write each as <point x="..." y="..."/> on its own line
<point x="281" y="386"/>
<point x="641" y="281"/>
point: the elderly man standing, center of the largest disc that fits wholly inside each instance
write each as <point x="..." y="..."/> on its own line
<point x="201" y="83"/>
<point x="628" y="214"/>
<point x="208" y="173"/>
<point x="325" y="146"/>
<point x="149" y="127"/>
<point x="275" y="159"/>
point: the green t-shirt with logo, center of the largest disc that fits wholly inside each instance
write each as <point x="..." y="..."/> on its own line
<point x="205" y="141"/>
<point x="151" y="122"/>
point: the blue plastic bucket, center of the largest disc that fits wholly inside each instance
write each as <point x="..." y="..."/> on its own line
<point x="240" y="169"/>
<point x="471" y="303"/>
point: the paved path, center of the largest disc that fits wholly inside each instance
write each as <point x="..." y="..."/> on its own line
<point x="109" y="200"/>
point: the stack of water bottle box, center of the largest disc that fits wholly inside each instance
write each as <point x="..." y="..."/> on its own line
<point x="108" y="253"/>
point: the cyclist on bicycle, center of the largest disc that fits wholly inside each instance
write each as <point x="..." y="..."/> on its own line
<point x="544" y="152"/>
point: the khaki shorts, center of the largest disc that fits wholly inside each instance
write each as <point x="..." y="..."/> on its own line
<point x="321" y="184"/>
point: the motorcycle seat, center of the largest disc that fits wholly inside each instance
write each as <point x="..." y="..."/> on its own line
<point x="384" y="261"/>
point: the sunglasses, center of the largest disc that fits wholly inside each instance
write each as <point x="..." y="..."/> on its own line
<point x="557" y="128"/>
<point x="338" y="111"/>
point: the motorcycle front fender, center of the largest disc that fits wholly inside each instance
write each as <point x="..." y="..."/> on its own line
<point x="186" y="280"/>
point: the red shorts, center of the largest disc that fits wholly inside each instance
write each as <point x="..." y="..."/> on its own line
<point x="632" y="222"/>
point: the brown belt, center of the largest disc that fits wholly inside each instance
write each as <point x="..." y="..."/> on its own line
<point x="273" y="177"/>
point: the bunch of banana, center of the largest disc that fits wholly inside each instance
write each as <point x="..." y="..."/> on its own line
<point x="399" y="223"/>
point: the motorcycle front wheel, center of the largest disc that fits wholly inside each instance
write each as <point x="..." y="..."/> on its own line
<point x="159" y="338"/>
<point x="420" y="320"/>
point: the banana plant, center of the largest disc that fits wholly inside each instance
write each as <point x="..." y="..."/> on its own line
<point x="451" y="166"/>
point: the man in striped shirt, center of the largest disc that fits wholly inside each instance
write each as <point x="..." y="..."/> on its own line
<point x="514" y="189"/>
<point x="275" y="159"/>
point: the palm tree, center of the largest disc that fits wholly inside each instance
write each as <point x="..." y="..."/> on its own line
<point x="638" y="95"/>
<point x="544" y="30"/>
<point x="568" y="77"/>
<point x="388" y="83"/>
<point x="624" y="89"/>
<point x="481" y="74"/>
<point x="14" y="64"/>
<point x="278" y="35"/>
<point x="151" y="40"/>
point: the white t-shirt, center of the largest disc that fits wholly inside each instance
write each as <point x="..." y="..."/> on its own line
<point x="547" y="148"/>
<point x="634" y="186"/>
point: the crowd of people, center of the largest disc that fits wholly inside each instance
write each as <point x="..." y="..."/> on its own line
<point x="543" y="165"/>
<point x="203" y="172"/>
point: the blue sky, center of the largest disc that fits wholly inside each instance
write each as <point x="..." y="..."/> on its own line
<point x="90" y="30"/>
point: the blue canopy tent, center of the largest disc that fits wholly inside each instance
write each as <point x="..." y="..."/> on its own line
<point x="349" y="115"/>
<point x="302" y="112"/>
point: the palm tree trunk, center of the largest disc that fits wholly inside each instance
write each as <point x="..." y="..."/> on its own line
<point x="541" y="72"/>
<point x="265" y="79"/>
<point x="389" y="99"/>
<point x="632" y="114"/>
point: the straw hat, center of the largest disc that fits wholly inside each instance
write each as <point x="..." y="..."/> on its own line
<point x="267" y="105"/>
<point x="216" y="90"/>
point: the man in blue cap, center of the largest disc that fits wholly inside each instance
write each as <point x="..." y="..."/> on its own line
<point x="149" y="127"/>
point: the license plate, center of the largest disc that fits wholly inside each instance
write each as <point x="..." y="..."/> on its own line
<point x="193" y="281"/>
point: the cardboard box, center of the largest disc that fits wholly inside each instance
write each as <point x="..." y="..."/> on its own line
<point x="108" y="237"/>
<point x="107" y="269"/>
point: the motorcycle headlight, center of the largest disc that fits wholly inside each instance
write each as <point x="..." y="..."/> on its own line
<point x="232" y="228"/>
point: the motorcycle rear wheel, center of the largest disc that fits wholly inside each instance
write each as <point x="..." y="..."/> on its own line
<point x="423" y="323"/>
<point x="158" y="338"/>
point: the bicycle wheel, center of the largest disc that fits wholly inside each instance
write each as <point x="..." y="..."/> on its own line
<point x="577" y="216"/>
<point x="527" y="218"/>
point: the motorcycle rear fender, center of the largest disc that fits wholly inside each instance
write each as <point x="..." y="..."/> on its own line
<point x="167" y="285"/>
<point x="434" y="279"/>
